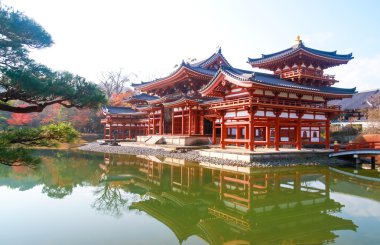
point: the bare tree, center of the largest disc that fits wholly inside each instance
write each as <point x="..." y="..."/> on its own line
<point x="115" y="82"/>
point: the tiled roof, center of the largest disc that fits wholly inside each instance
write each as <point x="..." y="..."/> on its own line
<point x="198" y="67"/>
<point x="299" y="47"/>
<point x="118" y="110"/>
<point x="273" y="80"/>
<point x="362" y="100"/>
<point x="142" y="96"/>
<point x="204" y="63"/>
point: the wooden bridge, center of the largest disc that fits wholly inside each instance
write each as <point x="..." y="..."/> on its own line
<point x="357" y="151"/>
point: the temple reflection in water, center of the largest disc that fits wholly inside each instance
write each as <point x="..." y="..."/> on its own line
<point x="230" y="204"/>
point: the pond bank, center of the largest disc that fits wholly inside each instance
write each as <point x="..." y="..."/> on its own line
<point x="195" y="156"/>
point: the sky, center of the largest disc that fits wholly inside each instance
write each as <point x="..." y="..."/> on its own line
<point x="149" y="38"/>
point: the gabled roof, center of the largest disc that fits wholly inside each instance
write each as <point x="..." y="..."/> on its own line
<point x="359" y="101"/>
<point x="300" y="47"/>
<point x="118" y="110"/>
<point x="206" y="62"/>
<point x="201" y="68"/>
<point x="248" y="79"/>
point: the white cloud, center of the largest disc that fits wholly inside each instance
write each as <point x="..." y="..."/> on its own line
<point x="362" y="73"/>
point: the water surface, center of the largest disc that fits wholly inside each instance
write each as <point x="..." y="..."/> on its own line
<point x="89" y="198"/>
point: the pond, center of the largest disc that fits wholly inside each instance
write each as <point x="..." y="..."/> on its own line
<point x="88" y="198"/>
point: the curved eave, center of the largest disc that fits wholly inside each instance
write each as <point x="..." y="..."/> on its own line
<point x="219" y="78"/>
<point x="347" y="94"/>
<point x="181" y="73"/>
<point x="181" y="102"/>
<point x="126" y="114"/>
<point x="161" y="100"/>
<point x="338" y="59"/>
<point x="211" y="59"/>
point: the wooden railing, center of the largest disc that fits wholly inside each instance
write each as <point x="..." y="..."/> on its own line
<point x="363" y="145"/>
<point x="257" y="100"/>
<point x="358" y="146"/>
<point x="305" y="72"/>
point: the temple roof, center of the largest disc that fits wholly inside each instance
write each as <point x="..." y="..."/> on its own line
<point x="184" y="100"/>
<point x="203" y="68"/>
<point x="362" y="100"/>
<point x="141" y="97"/>
<point x="300" y="48"/>
<point x="118" y="110"/>
<point x="247" y="79"/>
<point x="206" y="62"/>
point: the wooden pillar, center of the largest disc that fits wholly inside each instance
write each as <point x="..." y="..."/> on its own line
<point x="123" y="131"/>
<point x="110" y="133"/>
<point x="105" y="131"/>
<point x="267" y="135"/>
<point x="183" y="122"/>
<point x="154" y="122"/>
<point x="173" y="121"/>
<point x="251" y="111"/>
<point x="201" y="123"/>
<point x="238" y="134"/>
<point x="277" y="133"/>
<point x="299" y="134"/>
<point x="149" y="123"/>
<point x="161" y="125"/>
<point x="251" y="130"/>
<point x="222" y="131"/>
<point x="190" y="121"/>
<point x="213" y="131"/>
<point x="246" y="136"/>
<point x="327" y="140"/>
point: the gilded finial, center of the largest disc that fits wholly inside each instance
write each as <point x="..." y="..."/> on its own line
<point x="298" y="39"/>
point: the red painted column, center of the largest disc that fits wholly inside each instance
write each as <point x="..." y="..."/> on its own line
<point x="173" y="122"/>
<point x="123" y="131"/>
<point x="222" y="132"/>
<point x="251" y="131"/>
<point x="154" y="122"/>
<point x="246" y="136"/>
<point x="148" y="123"/>
<point x="110" y="134"/>
<point x="183" y="122"/>
<point x="238" y="134"/>
<point x="267" y="135"/>
<point x="213" y="132"/>
<point x="162" y="122"/>
<point x="327" y="140"/>
<point x="202" y="123"/>
<point x="277" y="133"/>
<point x="190" y="121"/>
<point x="299" y="137"/>
<point x="130" y="130"/>
<point x="105" y="131"/>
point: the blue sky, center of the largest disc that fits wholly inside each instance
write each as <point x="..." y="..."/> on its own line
<point x="150" y="37"/>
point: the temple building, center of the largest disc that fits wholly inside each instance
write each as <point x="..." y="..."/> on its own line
<point x="213" y="102"/>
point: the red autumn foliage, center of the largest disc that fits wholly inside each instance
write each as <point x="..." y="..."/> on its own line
<point x="118" y="99"/>
<point x="21" y="118"/>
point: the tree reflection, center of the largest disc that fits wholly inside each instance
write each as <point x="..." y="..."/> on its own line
<point x="112" y="200"/>
<point x="57" y="191"/>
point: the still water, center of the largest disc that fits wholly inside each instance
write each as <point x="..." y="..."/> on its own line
<point x="87" y="198"/>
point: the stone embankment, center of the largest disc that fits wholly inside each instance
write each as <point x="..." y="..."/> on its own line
<point x="194" y="156"/>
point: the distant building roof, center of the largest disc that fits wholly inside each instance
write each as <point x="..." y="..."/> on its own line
<point x="141" y="97"/>
<point x="118" y="110"/>
<point x="359" y="101"/>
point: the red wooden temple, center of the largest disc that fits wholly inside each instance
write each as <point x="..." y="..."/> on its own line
<point x="241" y="107"/>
